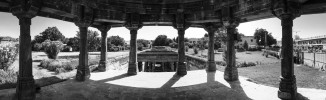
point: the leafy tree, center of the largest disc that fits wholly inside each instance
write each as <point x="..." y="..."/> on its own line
<point x="205" y="35"/>
<point x="177" y="39"/>
<point x="162" y="40"/>
<point x="297" y="37"/>
<point x="94" y="42"/>
<point x="245" y="45"/>
<point x="145" y="43"/>
<point x="74" y="43"/>
<point x="51" y="33"/>
<point x="260" y="37"/>
<point x="116" y="40"/>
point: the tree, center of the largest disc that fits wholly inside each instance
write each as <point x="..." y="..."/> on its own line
<point x="74" y="43"/>
<point x="162" y="40"/>
<point x="51" y="33"/>
<point x="94" y="42"/>
<point x="177" y="39"/>
<point x="245" y="45"/>
<point x="297" y="37"/>
<point x="145" y="43"/>
<point x="205" y="35"/>
<point x="116" y="40"/>
<point x="259" y="35"/>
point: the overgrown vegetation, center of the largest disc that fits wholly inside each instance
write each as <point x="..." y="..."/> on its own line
<point x="52" y="48"/>
<point x="8" y="54"/>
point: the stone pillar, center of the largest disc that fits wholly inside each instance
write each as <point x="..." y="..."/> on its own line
<point x="287" y="13"/>
<point x="83" y="22"/>
<point x="25" y="89"/>
<point x="181" y="25"/>
<point x="140" y="66"/>
<point x="211" y="28"/>
<point x="231" y="71"/>
<point x="104" y="29"/>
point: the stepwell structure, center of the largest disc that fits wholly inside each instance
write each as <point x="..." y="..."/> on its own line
<point x="181" y="14"/>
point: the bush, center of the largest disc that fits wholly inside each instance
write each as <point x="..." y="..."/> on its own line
<point x="52" y="48"/>
<point x="66" y="48"/>
<point x="221" y="63"/>
<point x="58" y="66"/>
<point x="8" y="54"/>
<point x="196" y="50"/>
<point x="37" y="47"/>
<point x="186" y="48"/>
<point x="240" y="50"/>
<point x="8" y="77"/>
<point x="244" y="64"/>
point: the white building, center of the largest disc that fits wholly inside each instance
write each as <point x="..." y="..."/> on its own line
<point x="250" y="40"/>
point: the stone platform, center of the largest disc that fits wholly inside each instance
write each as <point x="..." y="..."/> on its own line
<point x="196" y="85"/>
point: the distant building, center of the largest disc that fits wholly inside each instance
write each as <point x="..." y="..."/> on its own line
<point x="4" y="40"/>
<point x="250" y="40"/>
<point x="194" y="40"/>
<point x="317" y="42"/>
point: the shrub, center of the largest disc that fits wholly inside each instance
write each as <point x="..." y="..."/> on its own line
<point x="221" y="63"/>
<point x="66" y="48"/>
<point x="245" y="64"/>
<point x="8" y="54"/>
<point x="186" y="48"/>
<point x="240" y="50"/>
<point x="52" y="48"/>
<point x="7" y="77"/>
<point x="58" y="66"/>
<point x="37" y="47"/>
<point x="196" y="50"/>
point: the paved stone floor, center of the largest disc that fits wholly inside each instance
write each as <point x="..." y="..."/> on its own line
<point x="196" y="85"/>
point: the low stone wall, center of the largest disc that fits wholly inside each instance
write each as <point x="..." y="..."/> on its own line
<point x="317" y="65"/>
<point x="195" y="63"/>
<point x="118" y="63"/>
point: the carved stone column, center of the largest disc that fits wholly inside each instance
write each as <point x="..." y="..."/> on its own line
<point x="83" y="20"/>
<point x="140" y="66"/>
<point x="133" y="24"/>
<point x="181" y="26"/>
<point x="231" y="71"/>
<point x="25" y="89"/>
<point x="104" y="29"/>
<point x="211" y="28"/>
<point x="287" y="12"/>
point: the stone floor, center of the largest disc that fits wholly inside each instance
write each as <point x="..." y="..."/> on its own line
<point x="196" y="85"/>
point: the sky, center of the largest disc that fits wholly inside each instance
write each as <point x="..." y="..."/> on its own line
<point x="305" y="26"/>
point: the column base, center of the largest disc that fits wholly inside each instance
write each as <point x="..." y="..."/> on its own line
<point x="211" y="66"/>
<point x="102" y="66"/>
<point x="182" y="70"/>
<point x="25" y="89"/>
<point x="231" y="73"/>
<point x="82" y="73"/>
<point x="132" y="69"/>
<point x="287" y="89"/>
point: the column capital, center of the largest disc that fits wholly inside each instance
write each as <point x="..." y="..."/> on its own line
<point x="286" y="9"/>
<point x="25" y="8"/>
<point x="179" y="21"/>
<point x="103" y="27"/>
<point x="212" y="27"/>
<point x="133" y="21"/>
<point x="230" y="22"/>
<point x="84" y="15"/>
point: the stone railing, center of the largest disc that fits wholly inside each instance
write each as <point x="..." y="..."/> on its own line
<point x="195" y="63"/>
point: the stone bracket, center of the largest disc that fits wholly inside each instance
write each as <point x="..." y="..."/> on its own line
<point x="84" y="15"/>
<point x="25" y="8"/>
<point x="180" y="22"/>
<point x="133" y="21"/>
<point x="212" y="27"/>
<point x="280" y="8"/>
<point x="103" y="27"/>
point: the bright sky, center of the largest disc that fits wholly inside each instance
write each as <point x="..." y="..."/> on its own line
<point x="304" y="26"/>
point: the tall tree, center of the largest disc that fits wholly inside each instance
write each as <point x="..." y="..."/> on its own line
<point x="297" y="37"/>
<point x="94" y="42"/>
<point x="162" y="40"/>
<point x="116" y="40"/>
<point x="260" y="37"/>
<point x="51" y="33"/>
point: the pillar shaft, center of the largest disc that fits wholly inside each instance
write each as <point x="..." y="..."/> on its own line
<point x="211" y="28"/>
<point x="104" y="29"/>
<point x="231" y="71"/>
<point x="132" y="69"/>
<point x="181" y="70"/>
<point x="25" y="88"/>
<point x="287" y="87"/>
<point x="83" y="71"/>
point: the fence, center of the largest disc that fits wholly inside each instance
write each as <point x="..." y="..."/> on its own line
<point x="314" y="59"/>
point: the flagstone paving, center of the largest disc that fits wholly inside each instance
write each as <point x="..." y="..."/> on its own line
<point x="196" y="85"/>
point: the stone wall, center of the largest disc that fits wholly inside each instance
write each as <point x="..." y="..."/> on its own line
<point x="195" y="63"/>
<point x="118" y="63"/>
